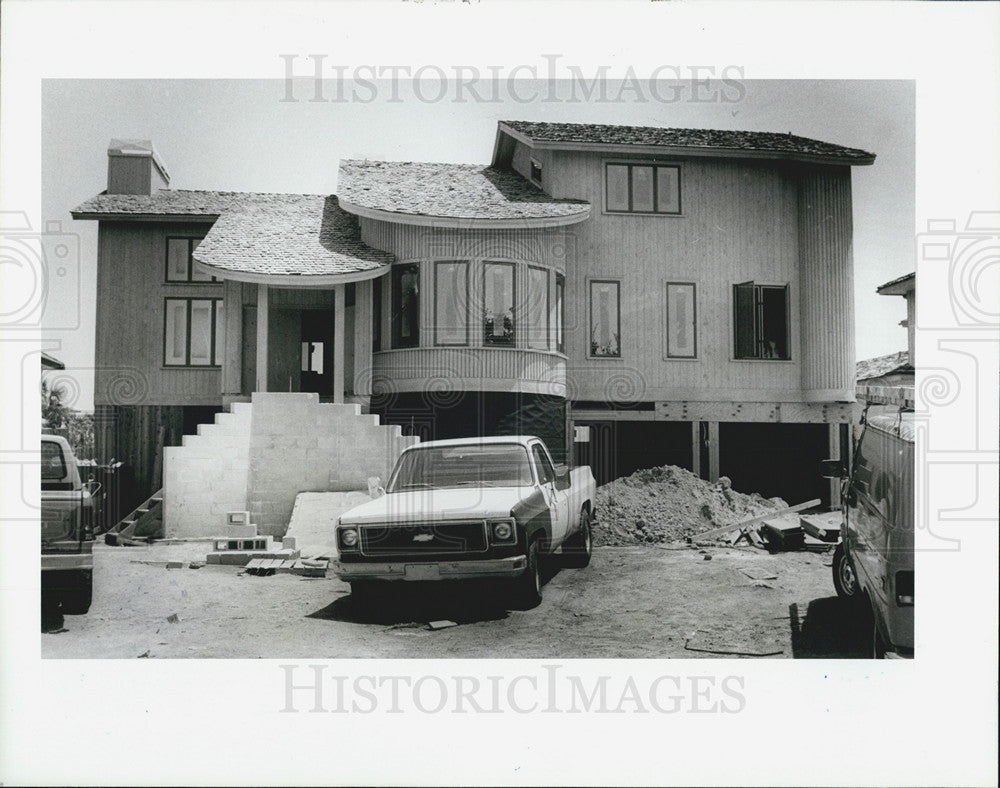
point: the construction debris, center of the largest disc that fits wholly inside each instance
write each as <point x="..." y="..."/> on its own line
<point x="443" y="624"/>
<point x="668" y="503"/>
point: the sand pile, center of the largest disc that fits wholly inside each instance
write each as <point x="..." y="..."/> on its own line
<point x="669" y="503"/>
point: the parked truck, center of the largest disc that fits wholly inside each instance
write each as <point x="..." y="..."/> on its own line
<point x="470" y="508"/>
<point x="67" y="519"/>
<point x="873" y="563"/>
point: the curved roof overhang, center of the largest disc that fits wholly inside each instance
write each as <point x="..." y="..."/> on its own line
<point x="467" y="222"/>
<point x="290" y="280"/>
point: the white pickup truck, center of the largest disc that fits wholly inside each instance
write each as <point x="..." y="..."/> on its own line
<point x="469" y="508"/>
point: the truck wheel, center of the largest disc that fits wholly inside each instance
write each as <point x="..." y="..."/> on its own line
<point x="845" y="580"/>
<point x="78" y="593"/>
<point x="579" y="547"/>
<point x="528" y="586"/>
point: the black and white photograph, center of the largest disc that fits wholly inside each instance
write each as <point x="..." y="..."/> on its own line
<point x="392" y="385"/>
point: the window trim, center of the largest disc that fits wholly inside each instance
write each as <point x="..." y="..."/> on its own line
<point x="561" y="317"/>
<point x="654" y="163"/>
<point x="193" y="241"/>
<point x="590" y="318"/>
<point x="787" y="287"/>
<point x="213" y="335"/>
<point x="667" y="356"/>
<point x="434" y="285"/>
<point x="513" y="307"/>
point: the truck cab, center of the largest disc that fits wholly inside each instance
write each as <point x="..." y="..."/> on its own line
<point x="67" y="530"/>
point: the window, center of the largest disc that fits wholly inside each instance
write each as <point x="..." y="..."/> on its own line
<point x="559" y="312"/>
<point x="498" y="304"/>
<point x="546" y="473"/>
<point x="451" y="303"/>
<point x="377" y="315"/>
<point x="538" y="308"/>
<point x="682" y="341"/>
<point x="180" y="263"/>
<point x="605" y="322"/>
<point x="642" y="188"/>
<point x="405" y="305"/>
<point x="53" y="463"/>
<point x="192" y="328"/>
<point x="536" y="171"/>
<point x="761" y="321"/>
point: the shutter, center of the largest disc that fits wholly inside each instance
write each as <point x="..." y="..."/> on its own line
<point x="744" y="320"/>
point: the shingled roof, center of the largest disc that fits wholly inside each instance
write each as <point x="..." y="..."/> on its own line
<point x="258" y="236"/>
<point x="751" y="144"/>
<point x="461" y="192"/>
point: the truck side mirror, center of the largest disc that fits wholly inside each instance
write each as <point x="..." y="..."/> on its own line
<point x="832" y="469"/>
<point x="562" y="481"/>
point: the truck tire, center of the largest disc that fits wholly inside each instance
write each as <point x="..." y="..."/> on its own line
<point x="528" y="585"/>
<point x="78" y="592"/>
<point x="579" y="547"/>
<point x="845" y="579"/>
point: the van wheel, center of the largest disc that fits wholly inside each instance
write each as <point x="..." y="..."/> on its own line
<point x="580" y="546"/>
<point x="528" y="585"/>
<point x="845" y="580"/>
<point x="78" y="593"/>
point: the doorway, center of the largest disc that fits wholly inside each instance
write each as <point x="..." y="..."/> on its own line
<point x="316" y="351"/>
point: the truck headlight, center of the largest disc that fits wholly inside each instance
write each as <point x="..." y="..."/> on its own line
<point x="503" y="531"/>
<point x="348" y="537"/>
<point x="904" y="588"/>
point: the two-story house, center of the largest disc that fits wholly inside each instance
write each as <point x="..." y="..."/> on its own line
<point x="635" y="296"/>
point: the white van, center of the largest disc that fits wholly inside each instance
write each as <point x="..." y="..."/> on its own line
<point x="873" y="564"/>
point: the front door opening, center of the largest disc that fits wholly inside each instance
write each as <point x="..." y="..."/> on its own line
<point x="317" y="352"/>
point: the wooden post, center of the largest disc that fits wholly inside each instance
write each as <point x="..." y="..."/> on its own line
<point x="338" y="343"/>
<point x="231" y="341"/>
<point x="262" y="318"/>
<point x="834" y="454"/>
<point x="696" y="448"/>
<point x="713" y="451"/>
<point x="362" y="338"/>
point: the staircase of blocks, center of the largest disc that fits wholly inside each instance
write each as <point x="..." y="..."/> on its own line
<point x="262" y="453"/>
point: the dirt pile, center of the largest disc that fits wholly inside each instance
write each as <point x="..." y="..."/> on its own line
<point x="667" y="504"/>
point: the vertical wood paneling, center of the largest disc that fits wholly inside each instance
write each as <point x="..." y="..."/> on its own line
<point x="232" y="348"/>
<point x="739" y="223"/>
<point x="129" y="330"/>
<point x="826" y="261"/>
<point x="361" y="383"/>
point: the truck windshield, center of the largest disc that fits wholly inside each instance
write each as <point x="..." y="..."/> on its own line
<point x="492" y="465"/>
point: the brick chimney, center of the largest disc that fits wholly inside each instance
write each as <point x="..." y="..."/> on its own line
<point x="134" y="167"/>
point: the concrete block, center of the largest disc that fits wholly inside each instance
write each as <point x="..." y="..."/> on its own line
<point x="288" y="543"/>
<point x="248" y="531"/>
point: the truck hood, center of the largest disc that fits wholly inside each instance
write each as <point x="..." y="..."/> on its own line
<point x="459" y="503"/>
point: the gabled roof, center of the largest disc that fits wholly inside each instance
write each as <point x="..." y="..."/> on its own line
<point x="290" y="239"/>
<point x="899" y="286"/>
<point x="704" y="142"/>
<point x="466" y="195"/>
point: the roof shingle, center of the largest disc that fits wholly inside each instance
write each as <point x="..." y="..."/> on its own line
<point x="451" y="191"/>
<point x="750" y="142"/>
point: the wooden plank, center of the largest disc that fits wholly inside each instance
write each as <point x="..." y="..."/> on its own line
<point x="759" y="519"/>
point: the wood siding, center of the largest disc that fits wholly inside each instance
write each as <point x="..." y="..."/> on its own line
<point x="129" y="335"/>
<point x="548" y="247"/>
<point x="740" y="222"/>
<point x="440" y="371"/>
<point x="827" y="274"/>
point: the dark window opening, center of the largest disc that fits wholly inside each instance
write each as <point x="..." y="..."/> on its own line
<point x="405" y="306"/>
<point x="761" y="321"/>
<point x="536" y="171"/>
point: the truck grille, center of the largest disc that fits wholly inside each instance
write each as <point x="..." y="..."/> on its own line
<point x="424" y="538"/>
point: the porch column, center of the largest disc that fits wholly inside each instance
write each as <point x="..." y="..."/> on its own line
<point x="339" y="345"/>
<point x="262" y="314"/>
<point x="231" y="341"/>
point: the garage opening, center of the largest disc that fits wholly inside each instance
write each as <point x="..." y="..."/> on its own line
<point x="776" y="459"/>
<point x="620" y="448"/>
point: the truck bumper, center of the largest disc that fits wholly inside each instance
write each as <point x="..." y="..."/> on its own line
<point x="430" y="570"/>
<point x="54" y="562"/>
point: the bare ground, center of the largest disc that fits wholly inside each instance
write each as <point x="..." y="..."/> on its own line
<point x="639" y="601"/>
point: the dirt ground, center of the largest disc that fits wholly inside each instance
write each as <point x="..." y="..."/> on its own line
<point x="636" y="601"/>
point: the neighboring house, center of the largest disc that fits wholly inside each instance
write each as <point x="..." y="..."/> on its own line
<point x="890" y="379"/>
<point x="635" y="296"/>
<point x="905" y="286"/>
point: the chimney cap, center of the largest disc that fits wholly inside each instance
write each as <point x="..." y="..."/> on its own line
<point x="137" y="147"/>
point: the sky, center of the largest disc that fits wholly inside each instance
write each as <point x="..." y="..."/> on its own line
<point x="270" y="135"/>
